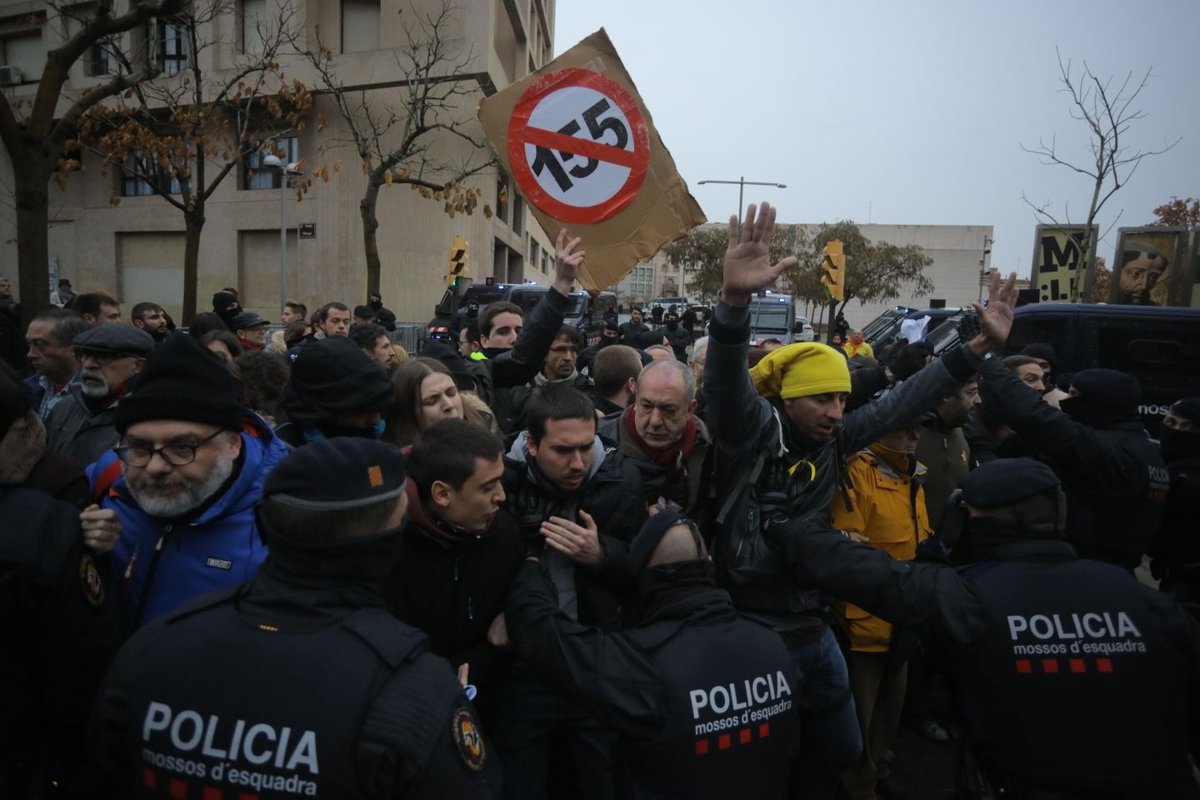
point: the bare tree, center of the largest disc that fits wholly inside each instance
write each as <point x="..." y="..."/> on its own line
<point x="183" y="133"/>
<point x="36" y="135"/>
<point x="399" y="142"/>
<point x="1108" y="109"/>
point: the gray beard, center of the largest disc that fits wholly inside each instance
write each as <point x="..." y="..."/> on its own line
<point x="95" y="392"/>
<point x="152" y="499"/>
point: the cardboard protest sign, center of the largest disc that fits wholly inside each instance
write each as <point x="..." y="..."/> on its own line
<point x="578" y="141"/>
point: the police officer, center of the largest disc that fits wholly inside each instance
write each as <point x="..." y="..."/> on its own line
<point x="702" y="698"/>
<point x="298" y="683"/>
<point x="1074" y="680"/>
<point x="58" y="628"/>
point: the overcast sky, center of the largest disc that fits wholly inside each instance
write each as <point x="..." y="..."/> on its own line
<point x="905" y="113"/>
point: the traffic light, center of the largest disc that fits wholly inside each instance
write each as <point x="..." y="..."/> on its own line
<point x="457" y="265"/>
<point x="833" y="271"/>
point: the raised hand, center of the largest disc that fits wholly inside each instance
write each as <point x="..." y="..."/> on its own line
<point x="996" y="319"/>
<point x="566" y="261"/>
<point x="747" y="266"/>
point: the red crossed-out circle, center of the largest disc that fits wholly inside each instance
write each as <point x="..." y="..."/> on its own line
<point x="520" y="134"/>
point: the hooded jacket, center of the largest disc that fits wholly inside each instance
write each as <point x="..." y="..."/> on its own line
<point x="884" y="502"/>
<point x="612" y="495"/>
<point x="161" y="563"/>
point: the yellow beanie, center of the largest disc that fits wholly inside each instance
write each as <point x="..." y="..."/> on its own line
<point x="801" y="369"/>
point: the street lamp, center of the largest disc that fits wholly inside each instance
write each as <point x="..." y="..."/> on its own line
<point x="272" y="161"/>
<point x="987" y="248"/>
<point x="742" y="183"/>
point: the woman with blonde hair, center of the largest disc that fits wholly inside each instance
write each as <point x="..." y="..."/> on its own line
<point x="426" y="393"/>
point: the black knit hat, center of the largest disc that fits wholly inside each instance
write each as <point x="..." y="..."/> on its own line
<point x="182" y="380"/>
<point x="337" y="474"/>
<point x="1005" y="481"/>
<point x="223" y="301"/>
<point x="334" y="376"/>
<point x="1188" y="408"/>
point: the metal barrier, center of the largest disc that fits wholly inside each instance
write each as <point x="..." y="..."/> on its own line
<point x="410" y="336"/>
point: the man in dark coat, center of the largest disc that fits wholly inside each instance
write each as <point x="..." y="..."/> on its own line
<point x="669" y="686"/>
<point x="1176" y="548"/>
<point x="579" y="504"/>
<point x="1114" y="477"/>
<point x="460" y="551"/>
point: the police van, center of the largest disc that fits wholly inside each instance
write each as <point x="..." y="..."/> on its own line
<point x="1160" y="346"/>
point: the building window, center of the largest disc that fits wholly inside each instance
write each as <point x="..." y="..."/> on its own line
<point x="257" y="176"/>
<point x="502" y="198"/>
<point x="360" y="25"/>
<point x="22" y="50"/>
<point x="174" y="45"/>
<point x="255" y="23"/>
<point x="101" y="58"/>
<point x="518" y="220"/>
<point x="142" y="175"/>
<point x="535" y="253"/>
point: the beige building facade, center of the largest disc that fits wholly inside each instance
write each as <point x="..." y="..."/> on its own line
<point x="107" y="232"/>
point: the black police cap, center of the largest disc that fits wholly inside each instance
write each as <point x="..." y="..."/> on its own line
<point x="1007" y="480"/>
<point x="338" y="474"/>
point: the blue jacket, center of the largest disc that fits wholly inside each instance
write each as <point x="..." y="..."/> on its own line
<point x="180" y="559"/>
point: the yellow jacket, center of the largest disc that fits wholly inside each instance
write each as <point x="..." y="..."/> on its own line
<point x="863" y="349"/>
<point x="886" y="505"/>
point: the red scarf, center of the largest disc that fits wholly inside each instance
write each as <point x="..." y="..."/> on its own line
<point x="669" y="458"/>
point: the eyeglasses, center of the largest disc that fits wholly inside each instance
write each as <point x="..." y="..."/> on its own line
<point x="176" y="454"/>
<point x="101" y="356"/>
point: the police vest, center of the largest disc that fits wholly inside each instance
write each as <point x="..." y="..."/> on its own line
<point x="731" y="725"/>
<point x="1079" y="683"/>
<point x="277" y="714"/>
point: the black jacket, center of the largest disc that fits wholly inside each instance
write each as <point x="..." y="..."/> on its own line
<point x="689" y="488"/>
<point x="755" y="448"/>
<point x="701" y="697"/>
<point x="1071" y="675"/>
<point x="611" y="495"/>
<point x="451" y="586"/>
<point x="59" y="627"/>
<point x="1115" y="479"/>
<point x="1177" y="547"/>
<point x="206" y="695"/>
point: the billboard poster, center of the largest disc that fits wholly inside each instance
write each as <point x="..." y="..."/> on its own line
<point x="1058" y="262"/>
<point x="1151" y="268"/>
<point x="1192" y="284"/>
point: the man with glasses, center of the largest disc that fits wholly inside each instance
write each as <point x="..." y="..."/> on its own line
<point x="110" y="357"/>
<point x="189" y="471"/>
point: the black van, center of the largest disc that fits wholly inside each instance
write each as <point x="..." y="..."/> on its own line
<point x="1160" y="346"/>
<point x="583" y="311"/>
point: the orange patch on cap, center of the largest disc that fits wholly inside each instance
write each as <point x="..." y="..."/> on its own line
<point x="375" y="476"/>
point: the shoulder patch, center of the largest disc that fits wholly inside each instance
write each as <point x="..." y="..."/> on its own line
<point x="469" y="739"/>
<point x="89" y="577"/>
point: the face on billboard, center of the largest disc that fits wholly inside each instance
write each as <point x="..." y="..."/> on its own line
<point x="1141" y="271"/>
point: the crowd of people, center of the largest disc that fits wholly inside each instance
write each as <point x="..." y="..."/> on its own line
<point x="312" y="564"/>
